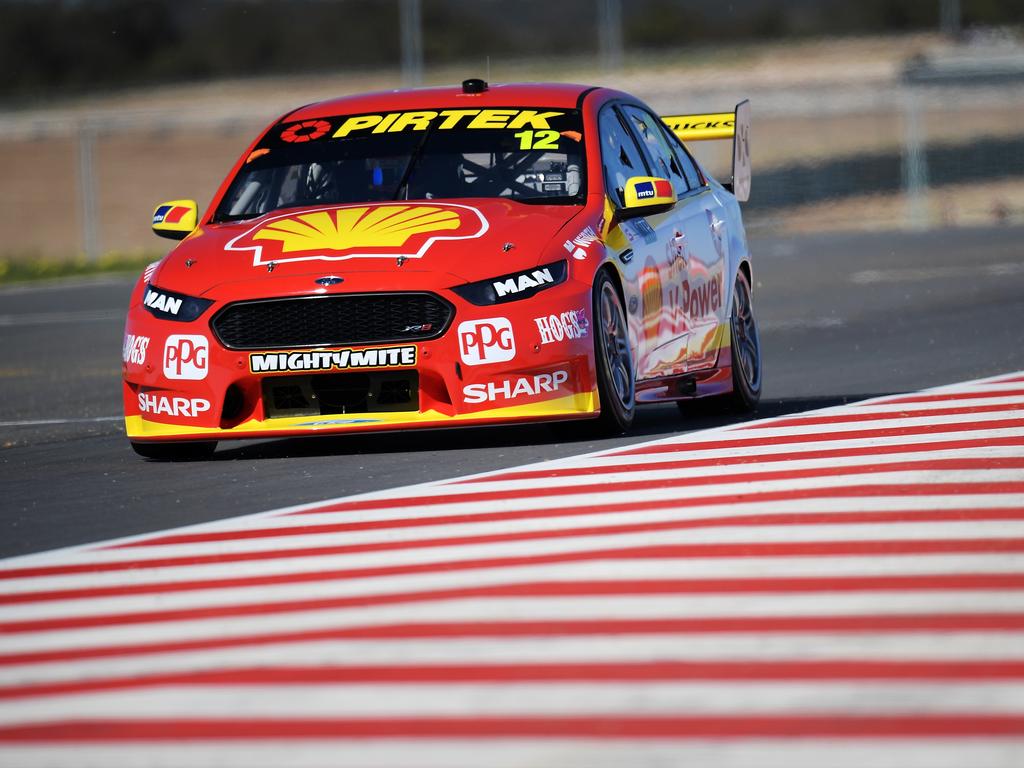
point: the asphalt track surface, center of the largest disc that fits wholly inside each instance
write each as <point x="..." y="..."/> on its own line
<point x="844" y="317"/>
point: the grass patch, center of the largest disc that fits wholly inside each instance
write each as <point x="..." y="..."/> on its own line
<point x="23" y="267"/>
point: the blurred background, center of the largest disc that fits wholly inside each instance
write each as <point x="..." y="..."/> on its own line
<point x="875" y="114"/>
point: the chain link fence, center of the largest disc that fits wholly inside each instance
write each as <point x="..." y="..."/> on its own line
<point x="849" y="146"/>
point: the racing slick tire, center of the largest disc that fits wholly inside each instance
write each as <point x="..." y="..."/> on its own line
<point x="175" y="451"/>
<point x="616" y="384"/>
<point x="745" y="343"/>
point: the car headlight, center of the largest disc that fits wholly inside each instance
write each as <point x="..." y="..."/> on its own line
<point x="515" y="285"/>
<point x="168" y="305"/>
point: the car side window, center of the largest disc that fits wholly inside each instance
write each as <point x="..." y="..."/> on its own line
<point x="655" y="144"/>
<point x="619" y="154"/>
<point x="689" y="166"/>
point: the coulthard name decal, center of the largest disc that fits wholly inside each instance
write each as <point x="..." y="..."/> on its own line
<point x="333" y="359"/>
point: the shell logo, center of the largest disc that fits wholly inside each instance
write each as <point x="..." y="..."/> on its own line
<point x="390" y="230"/>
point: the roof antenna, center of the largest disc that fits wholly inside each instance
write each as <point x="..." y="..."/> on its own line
<point x="488" y="68"/>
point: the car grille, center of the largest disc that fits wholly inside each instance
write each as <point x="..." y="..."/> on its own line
<point x="329" y="321"/>
<point x="327" y="394"/>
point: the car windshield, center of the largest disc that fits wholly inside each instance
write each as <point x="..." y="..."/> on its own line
<point x="531" y="155"/>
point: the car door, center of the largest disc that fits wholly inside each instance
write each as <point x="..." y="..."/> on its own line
<point x="707" y="307"/>
<point x="695" y="257"/>
<point x="644" y="241"/>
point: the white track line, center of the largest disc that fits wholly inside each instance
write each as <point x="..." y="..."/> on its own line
<point x="551" y="752"/>
<point x="637" y="648"/>
<point x="535" y="608"/>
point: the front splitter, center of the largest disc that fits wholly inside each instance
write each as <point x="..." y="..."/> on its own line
<point x="578" y="405"/>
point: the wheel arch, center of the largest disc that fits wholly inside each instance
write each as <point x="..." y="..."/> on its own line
<point x="613" y="414"/>
<point x="747" y="271"/>
<point x="612" y="269"/>
<point x="609" y="267"/>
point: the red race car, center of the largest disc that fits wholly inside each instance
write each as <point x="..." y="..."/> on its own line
<point x="442" y="257"/>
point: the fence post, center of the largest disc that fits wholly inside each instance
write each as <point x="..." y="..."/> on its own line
<point x="949" y="17"/>
<point x="915" y="163"/>
<point x="609" y="15"/>
<point x="411" y="24"/>
<point x="90" y="242"/>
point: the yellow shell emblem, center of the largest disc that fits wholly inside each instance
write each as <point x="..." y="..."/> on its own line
<point x="345" y="229"/>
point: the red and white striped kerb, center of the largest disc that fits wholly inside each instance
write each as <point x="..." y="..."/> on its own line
<point x="838" y="588"/>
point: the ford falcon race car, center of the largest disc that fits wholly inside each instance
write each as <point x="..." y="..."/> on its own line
<point x="471" y="255"/>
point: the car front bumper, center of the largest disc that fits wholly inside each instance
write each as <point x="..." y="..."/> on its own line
<point x="181" y="383"/>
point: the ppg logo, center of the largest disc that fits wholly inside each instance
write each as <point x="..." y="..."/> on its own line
<point x="486" y="341"/>
<point x="186" y="357"/>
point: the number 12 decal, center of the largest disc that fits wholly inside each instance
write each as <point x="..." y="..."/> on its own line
<point x="537" y="139"/>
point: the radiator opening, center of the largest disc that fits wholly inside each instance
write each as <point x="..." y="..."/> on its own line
<point x="337" y="393"/>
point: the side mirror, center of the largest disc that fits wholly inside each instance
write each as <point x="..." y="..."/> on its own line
<point x="175" y="219"/>
<point x="644" y="195"/>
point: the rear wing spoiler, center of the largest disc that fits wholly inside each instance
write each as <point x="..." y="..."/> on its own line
<point x="721" y="125"/>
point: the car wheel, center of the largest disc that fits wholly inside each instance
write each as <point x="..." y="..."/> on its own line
<point x="746" y="348"/>
<point x="175" y="451"/>
<point x="615" y="382"/>
<point x="745" y="343"/>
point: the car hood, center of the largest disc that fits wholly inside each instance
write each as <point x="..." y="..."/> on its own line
<point x="391" y="244"/>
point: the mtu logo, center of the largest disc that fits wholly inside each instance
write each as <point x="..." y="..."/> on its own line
<point x="170" y="214"/>
<point x="660" y="188"/>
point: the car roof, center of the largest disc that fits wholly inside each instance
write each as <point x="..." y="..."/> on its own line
<point x="564" y="95"/>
